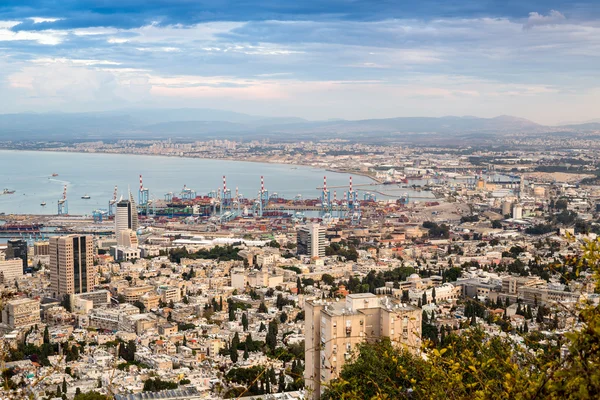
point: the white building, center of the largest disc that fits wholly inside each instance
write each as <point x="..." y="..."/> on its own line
<point x="517" y="211"/>
<point x="10" y="270"/>
<point x="311" y="240"/>
<point x="21" y="312"/>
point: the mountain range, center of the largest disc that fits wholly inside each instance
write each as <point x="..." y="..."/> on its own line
<point x="206" y="123"/>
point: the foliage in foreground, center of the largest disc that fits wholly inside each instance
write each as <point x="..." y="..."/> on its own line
<point x="475" y="366"/>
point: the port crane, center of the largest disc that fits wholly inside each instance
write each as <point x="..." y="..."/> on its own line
<point x="112" y="203"/>
<point x="63" y="204"/>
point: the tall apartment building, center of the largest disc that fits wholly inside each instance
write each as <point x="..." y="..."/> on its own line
<point x="11" y="269"/>
<point x="17" y="248"/>
<point x="21" y="312"/>
<point x="72" y="269"/>
<point x="311" y="240"/>
<point x="333" y="329"/>
<point x="125" y="218"/>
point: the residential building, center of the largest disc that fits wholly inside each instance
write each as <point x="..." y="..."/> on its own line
<point x="333" y="329"/>
<point x="21" y="312"/>
<point x="41" y="248"/>
<point x="311" y="240"/>
<point x="11" y="269"/>
<point x="123" y="253"/>
<point x="99" y="298"/>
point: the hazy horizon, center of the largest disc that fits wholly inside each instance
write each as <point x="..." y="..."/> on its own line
<point x="313" y="60"/>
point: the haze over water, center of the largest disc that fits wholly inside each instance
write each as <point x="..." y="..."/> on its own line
<point x="29" y="174"/>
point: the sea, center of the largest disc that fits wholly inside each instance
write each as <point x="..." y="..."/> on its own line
<point x="29" y="175"/>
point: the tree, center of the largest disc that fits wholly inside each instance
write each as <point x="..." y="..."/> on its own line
<point x="140" y="305"/>
<point x="46" y="335"/>
<point x="262" y="308"/>
<point x="89" y="396"/>
<point x="433" y="295"/>
<point x="283" y="317"/>
<point x="235" y="343"/>
<point x="405" y="298"/>
<point x="157" y="385"/>
<point x="424" y="298"/>
<point x="281" y="383"/>
<point x="262" y="327"/>
<point x="64" y="386"/>
<point x="271" y="338"/>
<point x="299" y="285"/>
<point x="327" y="279"/>
<point x="66" y="303"/>
<point x="231" y="313"/>
<point x="473" y="364"/>
<point x="246" y="355"/>
<point x="245" y="321"/>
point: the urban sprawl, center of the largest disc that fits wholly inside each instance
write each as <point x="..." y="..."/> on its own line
<point x="190" y="295"/>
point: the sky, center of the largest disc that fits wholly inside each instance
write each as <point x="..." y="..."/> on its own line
<point x="316" y="59"/>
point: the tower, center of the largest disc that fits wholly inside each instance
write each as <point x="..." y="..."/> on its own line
<point x="144" y="197"/>
<point x="226" y="200"/>
<point x="126" y="216"/>
<point x="263" y="197"/>
<point x="72" y="267"/>
<point x="311" y="240"/>
<point x="325" y="198"/>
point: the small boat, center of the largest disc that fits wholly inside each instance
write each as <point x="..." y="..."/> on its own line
<point x="6" y="191"/>
<point x="43" y="204"/>
<point x="55" y="174"/>
<point x="86" y="197"/>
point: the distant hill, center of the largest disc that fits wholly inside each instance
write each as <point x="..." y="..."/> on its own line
<point x="206" y="123"/>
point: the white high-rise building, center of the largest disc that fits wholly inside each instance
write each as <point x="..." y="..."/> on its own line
<point x="311" y="240"/>
<point x="125" y="218"/>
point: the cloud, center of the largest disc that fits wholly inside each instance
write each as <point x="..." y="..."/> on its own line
<point x="308" y="58"/>
<point x="77" y="83"/>
<point x="39" y="20"/>
<point x="49" y="37"/>
<point x="76" y="62"/>
<point x="535" y="19"/>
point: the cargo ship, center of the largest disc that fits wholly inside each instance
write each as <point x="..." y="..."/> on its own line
<point x="55" y="174"/>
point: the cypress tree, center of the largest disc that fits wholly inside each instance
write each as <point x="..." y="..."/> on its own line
<point x="281" y="384"/>
<point x="245" y="321"/>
